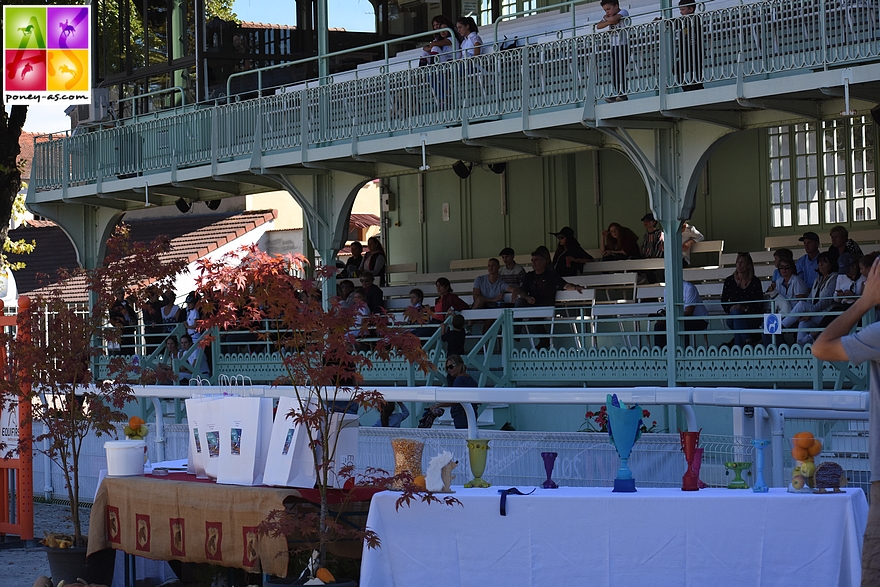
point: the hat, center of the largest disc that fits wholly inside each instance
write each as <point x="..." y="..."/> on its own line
<point x="812" y="236"/>
<point x="648" y="218"/>
<point x="565" y="231"/>
<point x="506" y="251"/>
<point x="846" y="260"/>
<point x="191" y="298"/>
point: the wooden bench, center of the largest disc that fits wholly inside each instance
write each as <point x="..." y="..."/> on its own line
<point x="758" y="258"/>
<point x="716" y="246"/>
<point x="791" y="241"/>
<point x="481" y="263"/>
<point x="400" y="272"/>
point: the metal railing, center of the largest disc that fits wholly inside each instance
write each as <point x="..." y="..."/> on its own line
<point x="751" y="40"/>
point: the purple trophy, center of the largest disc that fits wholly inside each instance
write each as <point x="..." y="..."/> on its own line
<point x="549" y="461"/>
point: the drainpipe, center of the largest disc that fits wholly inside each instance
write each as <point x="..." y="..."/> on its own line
<point x="160" y="430"/>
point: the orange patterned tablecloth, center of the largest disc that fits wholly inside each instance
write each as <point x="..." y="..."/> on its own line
<point x="191" y="522"/>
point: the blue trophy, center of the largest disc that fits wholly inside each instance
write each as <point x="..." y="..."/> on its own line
<point x="624" y="427"/>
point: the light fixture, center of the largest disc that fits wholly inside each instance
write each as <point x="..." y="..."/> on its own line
<point x="461" y="170"/>
<point x="183" y="205"/>
<point x="498" y="167"/>
<point x="212" y="204"/>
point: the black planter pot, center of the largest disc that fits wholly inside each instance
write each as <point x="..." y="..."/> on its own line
<point x="70" y="564"/>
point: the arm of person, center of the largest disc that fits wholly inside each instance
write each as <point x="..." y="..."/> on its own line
<point x="477" y="45"/>
<point x="379" y="266"/>
<point x="478" y="295"/>
<point x="829" y="345"/>
<point x="573" y="287"/>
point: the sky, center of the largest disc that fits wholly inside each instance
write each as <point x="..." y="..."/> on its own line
<point x="352" y="15"/>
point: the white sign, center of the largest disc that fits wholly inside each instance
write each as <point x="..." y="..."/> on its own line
<point x="9" y="431"/>
<point x="772" y="323"/>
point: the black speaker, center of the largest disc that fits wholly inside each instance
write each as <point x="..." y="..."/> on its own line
<point x="212" y="204"/>
<point x="183" y="205"/>
<point x="461" y="170"/>
<point x="498" y="167"/>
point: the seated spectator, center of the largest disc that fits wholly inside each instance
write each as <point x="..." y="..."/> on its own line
<point x="359" y="301"/>
<point x="539" y="287"/>
<point x="742" y="294"/>
<point x="807" y="264"/>
<point x="373" y="295"/>
<point x="344" y="289"/>
<point x="489" y="289"/>
<point x="446" y="300"/>
<point x="375" y="260"/>
<point x="510" y="272"/>
<point x="780" y="255"/>
<point x="689" y="237"/>
<point x="693" y="306"/>
<point x="441" y="47"/>
<point x="353" y="264"/>
<point x="388" y="418"/>
<point x="788" y="287"/>
<point x="194" y="362"/>
<point x="819" y="300"/>
<point x="849" y="282"/>
<point x="454" y="337"/>
<point x="841" y="243"/>
<point x="618" y="243"/>
<point x="416" y="299"/>
<point x="570" y="257"/>
<point x="653" y="241"/>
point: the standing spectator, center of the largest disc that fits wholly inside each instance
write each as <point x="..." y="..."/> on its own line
<point x="510" y="272"/>
<point x="836" y="344"/>
<point x="741" y="295"/>
<point x="353" y="264"/>
<point x="820" y="300"/>
<point x="373" y="294"/>
<point x="689" y="237"/>
<point x="454" y="338"/>
<point x="807" y="264"/>
<point x="471" y="41"/>
<point x="570" y="257"/>
<point x="192" y="316"/>
<point x="841" y="243"/>
<point x="153" y="331"/>
<point x="170" y="314"/>
<point x="124" y="319"/>
<point x="618" y="243"/>
<point x="653" y="241"/>
<point x="614" y="21"/>
<point x="689" y="61"/>
<point x="489" y="289"/>
<point x="195" y="363"/>
<point x="375" y="260"/>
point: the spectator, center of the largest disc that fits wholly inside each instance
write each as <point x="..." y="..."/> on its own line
<point x="689" y="61"/>
<point x="849" y="282"/>
<point x="807" y="265"/>
<point x="345" y="289"/>
<point x="153" y="331"/>
<point x="780" y="255"/>
<point x="388" y="418"/>
<point x="454" y="338"/>
<point x="194" y="362"/>
<point x="539" y="286"/>
<point x="441" y="48"/>
<point x="375" y="260"/>
<point x="614" y="21"/>
<point x="838" y="344"/>
<point x="373" y="295"/>
<point x="570" y="257"/>
<point x="689" y="237"/>
<point x="416" y="299"/>
<point x="165" y="365"/>
<point x="652" y="243"/>
<point x="353" y="264"/>
<point x="192" y="315"/>
<point x="618" y="243"/>
<point x="457" y="376"/>
<point x="489" y="289"/>
<point x="510" y="272"/>
<point x="693" y="307"/>
<point x="170" y="314"/>
<point x="741" y="295"/>
<point x="820" y="300"/>
<point x="841" y="243"/>
<point x="471" y="42"/>
<point x="446" y="300"/>
<point x="124" y="319"/>
<point x="788" y="287"/>
<point x="359" y="301"/>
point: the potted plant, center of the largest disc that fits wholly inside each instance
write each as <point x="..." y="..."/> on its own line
<point x="323" y="349"/>
<point x="50" y="364"/>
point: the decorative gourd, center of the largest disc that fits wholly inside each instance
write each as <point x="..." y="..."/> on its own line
<point x="325" y="575"/>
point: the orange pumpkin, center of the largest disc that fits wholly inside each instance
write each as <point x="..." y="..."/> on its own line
<point x="135" y="422"/>
<point x="325" y="575"/>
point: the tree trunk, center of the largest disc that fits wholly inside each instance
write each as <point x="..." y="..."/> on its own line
<point x="10" y="173"/>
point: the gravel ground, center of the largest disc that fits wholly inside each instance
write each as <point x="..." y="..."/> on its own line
<point x="19" y="567"/>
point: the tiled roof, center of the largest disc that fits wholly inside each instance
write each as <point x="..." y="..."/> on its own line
<point x="26" y="142"/>
<point x="192" y="237"/>
<point x="363" y="220"/>
<point x="248" y="24"/>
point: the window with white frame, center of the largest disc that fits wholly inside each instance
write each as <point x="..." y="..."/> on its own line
<point x="822" y="173"/>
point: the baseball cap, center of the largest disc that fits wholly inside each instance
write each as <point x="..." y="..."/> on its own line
<point x="846" y="260"/>
<point x="812" y="236"/>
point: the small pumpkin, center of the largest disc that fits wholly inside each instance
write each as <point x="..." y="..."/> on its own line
<point x="135" y="422"/>
<point x="325" y="575"/>
<point x="419" y="481"/>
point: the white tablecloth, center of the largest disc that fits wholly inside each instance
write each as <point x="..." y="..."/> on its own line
<point x="591" y="536"/>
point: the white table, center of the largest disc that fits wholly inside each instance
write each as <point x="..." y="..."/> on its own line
<point x="591" y="536"/>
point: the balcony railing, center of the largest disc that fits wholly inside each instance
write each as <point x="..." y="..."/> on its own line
<point x="751" y="41"/>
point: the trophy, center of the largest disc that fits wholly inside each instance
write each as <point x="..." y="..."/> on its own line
<point x="477" y="449"/>
<point x="760" y="486"/>
<point x="689" y="441"/>
<point x="624" y="427"/>
<point x="737" y="468"/>
<point x="549" y="460"/>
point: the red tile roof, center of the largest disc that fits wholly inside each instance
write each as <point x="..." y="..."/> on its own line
<point x="192" y="237"/>
<point x="363" y="220"/>
<point x="26" y="143"/>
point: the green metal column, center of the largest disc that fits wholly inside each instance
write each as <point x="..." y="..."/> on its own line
<point x="323" y="41"/>
<point x="177" y="45"/>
